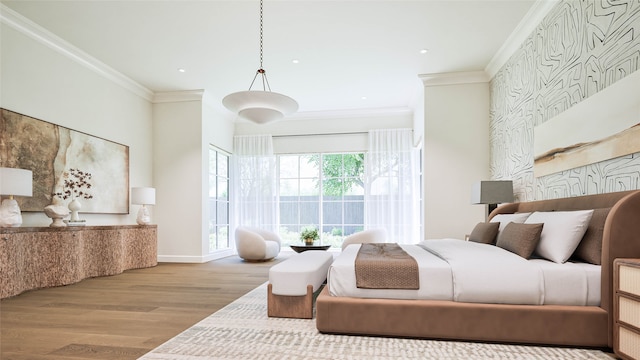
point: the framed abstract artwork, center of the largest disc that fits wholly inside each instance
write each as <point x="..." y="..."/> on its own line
<point x="52" y="151"/>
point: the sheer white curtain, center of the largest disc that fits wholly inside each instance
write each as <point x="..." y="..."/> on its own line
<point x="392" y="194"/>
<point x="254" y="181"/>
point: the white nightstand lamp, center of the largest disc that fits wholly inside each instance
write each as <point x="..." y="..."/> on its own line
<point x="143" y="196"/>
<point x="13" y="182"/>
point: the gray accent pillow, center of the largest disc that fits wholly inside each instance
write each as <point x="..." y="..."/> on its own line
<point x="520" y="239"/>
<point x="485" y="233"/>
<point x="590" y="247"/>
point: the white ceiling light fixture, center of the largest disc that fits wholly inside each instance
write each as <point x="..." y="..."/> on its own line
<point x="260" y="106"/>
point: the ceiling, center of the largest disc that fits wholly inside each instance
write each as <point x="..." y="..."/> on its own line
<point x="352" y="55"/>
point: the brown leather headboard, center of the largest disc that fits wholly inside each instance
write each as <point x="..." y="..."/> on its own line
<point x="621" y="236"/>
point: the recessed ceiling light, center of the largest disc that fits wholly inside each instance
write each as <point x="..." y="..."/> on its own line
<point x="364" y="98"/>
<point x="181" y="70"/>
<point x="295" y="61"/>
<point x="424" y="51"/>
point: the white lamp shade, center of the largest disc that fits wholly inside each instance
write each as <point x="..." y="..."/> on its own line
<point x="492" y="192"/>
<point x="260" y="106"/>
<point x="18" y="182"/>
<point x="143" y="196"/>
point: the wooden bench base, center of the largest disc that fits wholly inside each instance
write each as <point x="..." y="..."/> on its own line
<point x="300" y="307"/>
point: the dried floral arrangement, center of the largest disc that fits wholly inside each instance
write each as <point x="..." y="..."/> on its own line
<point x="76" y="184"/>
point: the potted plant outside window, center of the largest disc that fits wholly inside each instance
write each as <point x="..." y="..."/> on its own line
<point x="309" y="235"/>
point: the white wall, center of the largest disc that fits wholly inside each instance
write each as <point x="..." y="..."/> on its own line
<point x="184" y="124"/>
<point x="177" y="164"/>
<point x="40" y="82"/>
<point x="456" y="152"/>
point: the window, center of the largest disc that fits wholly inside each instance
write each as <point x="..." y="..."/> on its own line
<point x="218" y="200"/>
<point x="325" y="191"/>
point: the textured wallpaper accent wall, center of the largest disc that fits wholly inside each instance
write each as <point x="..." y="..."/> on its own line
<point x="580" y="48"/>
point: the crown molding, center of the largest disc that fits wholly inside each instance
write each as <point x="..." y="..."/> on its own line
<point x="186" y="95"/>
<point x="47" y="38"/>
<point x="178" y="96"/>
<point x="525" y="27"/>
<point x="454" y="78"/>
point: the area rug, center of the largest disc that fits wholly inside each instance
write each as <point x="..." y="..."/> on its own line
<point x="242" y="330"/>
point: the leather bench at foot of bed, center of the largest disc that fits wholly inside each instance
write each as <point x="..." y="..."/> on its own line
<point x="293" y="282"/>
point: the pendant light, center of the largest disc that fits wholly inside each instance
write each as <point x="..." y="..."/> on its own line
<point x="260" y="106"/>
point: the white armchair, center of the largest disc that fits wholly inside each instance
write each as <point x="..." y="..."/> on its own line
<point x="366" y="236"/>
<point x="255" y="244"/>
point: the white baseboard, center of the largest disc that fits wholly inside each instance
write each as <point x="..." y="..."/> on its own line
<point x="196" y="259"/>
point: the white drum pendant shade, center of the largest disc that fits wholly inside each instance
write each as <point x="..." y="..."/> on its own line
<point x="260" y="106"/>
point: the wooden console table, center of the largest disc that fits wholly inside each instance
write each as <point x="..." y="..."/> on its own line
<point x="39" y="257"/>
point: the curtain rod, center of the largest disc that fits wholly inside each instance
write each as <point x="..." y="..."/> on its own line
<point x="339" y="133"/>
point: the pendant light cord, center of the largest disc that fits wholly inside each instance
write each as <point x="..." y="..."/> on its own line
<point x="261" y="36"/>
<point x="261" y="71"/>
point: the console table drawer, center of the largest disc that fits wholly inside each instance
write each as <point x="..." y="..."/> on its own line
<point x="629" y="278"/>
<point x="626" y="308"/>
<point x="629" y="311"/>
<point x="628" y="343"/>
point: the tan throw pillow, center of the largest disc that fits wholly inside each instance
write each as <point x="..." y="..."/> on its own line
<point x="520" y="239"/>
<point x="590" y="247"/>
<point x="485" y="233"/>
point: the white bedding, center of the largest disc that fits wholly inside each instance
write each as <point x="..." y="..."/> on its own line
<point x="471" y="272"/>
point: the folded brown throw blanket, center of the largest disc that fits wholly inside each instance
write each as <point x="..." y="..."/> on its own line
<point x="386" y="266"/>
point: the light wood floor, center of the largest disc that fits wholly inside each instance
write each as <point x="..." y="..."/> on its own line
<point x="122" y="316"/>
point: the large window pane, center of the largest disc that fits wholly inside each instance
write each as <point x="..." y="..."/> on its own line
<point x="309" y="187"/>
<point x="223" y="188"/>
<point x="332" y="166"/>
<point x="309" y="213"/>
<point x="323" y="190"/>
<point x="222" y="213"/>
<point x="354" y="212"/>
<point x="332" y="189"/>
<point x="309" y="166"/>
<point x="332" y="212"/>
<point x="223" y="164"/>
<point x="289" y="166"/>
<point x="218" y="200"/>
<point x="289" y="212"/>
<point x="289" y="188"/>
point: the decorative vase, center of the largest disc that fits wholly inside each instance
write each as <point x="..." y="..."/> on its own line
<point x="74" y="206"/>
<point x="56" y="211"/>
<point x="308" y="241"/>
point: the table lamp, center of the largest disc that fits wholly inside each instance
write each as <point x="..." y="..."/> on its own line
<point x="13" y="182"/>
<point x="143" y="196"/>
<point x="492" y="193"/>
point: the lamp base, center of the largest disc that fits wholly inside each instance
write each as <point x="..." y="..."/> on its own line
<point x="10" y="215"/>
<point x="144" y="218"/>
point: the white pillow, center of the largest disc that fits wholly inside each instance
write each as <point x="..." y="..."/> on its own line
<point x="505" y="219"/>
<point x="561" y="232"/>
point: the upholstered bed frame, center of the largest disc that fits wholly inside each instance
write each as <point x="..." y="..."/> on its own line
<point x="585" y="326"/>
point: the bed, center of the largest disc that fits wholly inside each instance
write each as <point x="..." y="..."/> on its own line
<point x="585" y="320"/>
